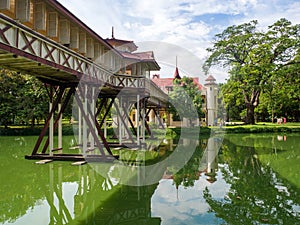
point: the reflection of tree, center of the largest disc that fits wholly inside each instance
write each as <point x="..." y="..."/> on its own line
<point x="190" y="172"/>
<point x="254" y="196"/>
<point x="18" y="180"/>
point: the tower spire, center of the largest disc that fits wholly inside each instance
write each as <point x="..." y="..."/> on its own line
<point x="176" y="74"/>
<point x="112" y="32"/>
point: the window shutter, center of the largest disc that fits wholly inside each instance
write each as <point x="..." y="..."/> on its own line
<point x="40" y="16"/>
<point x="52" y="24"/>
<point x="74" y="42"/>
<point x="64" y="31"/>
<point x="97" y="52"/>
<point x="90" y="48"/>
<point x="23" y="10"/>
<point x="82" y="42"/>
<point x="5" y="4"/>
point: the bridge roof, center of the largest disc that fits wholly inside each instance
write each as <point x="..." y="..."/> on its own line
<point x="118" y="42"/>
<point x="145" y="57"/>
<point x="59" y="7"/>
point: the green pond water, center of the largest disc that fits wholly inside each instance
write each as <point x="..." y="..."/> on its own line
<point x="235" y="179"/>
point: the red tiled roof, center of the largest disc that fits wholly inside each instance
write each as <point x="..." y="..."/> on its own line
<point x="196" y="81"/>
<point x="164" y="83"/>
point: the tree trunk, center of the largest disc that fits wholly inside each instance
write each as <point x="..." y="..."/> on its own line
<point x="251" y="102"/>
<point x="250" y="114"/>
<point x="32" y="122"/>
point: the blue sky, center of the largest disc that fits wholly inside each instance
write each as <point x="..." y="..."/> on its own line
<point x="188" y="25"/>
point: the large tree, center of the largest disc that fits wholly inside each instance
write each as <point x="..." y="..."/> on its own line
<point x="186" y="99"/>
<point x="34" y="104"/>
<point x="10" y="93"/>
<point x="23" y="98"/>
<point x="253" y="57"/>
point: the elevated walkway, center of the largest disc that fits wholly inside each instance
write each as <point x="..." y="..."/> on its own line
<point x="76" y="63"/>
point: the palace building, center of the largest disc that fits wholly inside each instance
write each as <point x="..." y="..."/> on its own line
<point x="209" y="94"/>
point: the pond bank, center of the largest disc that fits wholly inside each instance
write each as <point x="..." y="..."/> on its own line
<point x="264" y="128"/>
<point x="173" y="132"/>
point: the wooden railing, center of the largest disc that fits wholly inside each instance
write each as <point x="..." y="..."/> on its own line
<point x="24" y="42"/>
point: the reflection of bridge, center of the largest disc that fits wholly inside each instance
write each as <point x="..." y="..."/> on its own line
<point x="43" y="39"/>
<point x="97" y="200"/>
<point x="208" y="160"/>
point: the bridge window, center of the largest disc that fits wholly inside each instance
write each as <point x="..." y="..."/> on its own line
<point x="74" y="42"/>
<point x="90" y="48"/>
<point x="5" y="4"/>
<point x="102" y="52"/>
<point x="40" y="16"/>
<point x="53" y="24"/>
<point x="24" y="10"/>
<point x="64" y="31"/>
<point x="97" y="52"/>
<point x="82" y="43"/>
<point x="106" y="57"/>
<point x="112" y="61"/>
<point x="8" y="7"/>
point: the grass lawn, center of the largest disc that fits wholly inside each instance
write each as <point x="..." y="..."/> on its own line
<point x="263" y="127"/>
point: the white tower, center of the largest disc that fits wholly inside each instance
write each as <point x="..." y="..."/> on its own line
<point x="211" y="101"/>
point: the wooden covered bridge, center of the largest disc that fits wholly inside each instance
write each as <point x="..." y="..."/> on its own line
<point x="42" y="38"/>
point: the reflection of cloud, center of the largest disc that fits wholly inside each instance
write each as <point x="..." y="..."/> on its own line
<point x="190" y="207"/>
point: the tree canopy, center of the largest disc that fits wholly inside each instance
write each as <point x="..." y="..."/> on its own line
<point x="23" y="99"/>
<point x="256" y="60"/>
<point x="186" y="99"/>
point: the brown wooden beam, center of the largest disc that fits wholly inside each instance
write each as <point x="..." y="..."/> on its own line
<point x="46" y="126"/>
<point x="86" y="118"/>
<point x="130" y="121"/>
<point x="63" y="107"/>
<point x="125" y="125"/>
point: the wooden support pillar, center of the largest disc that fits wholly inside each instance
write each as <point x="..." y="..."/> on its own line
<point x="143" y="120"/>
<point x="52" y="107"/>
<point x="124" y="115"/>
<point x="59" y="114"/>
<point x="51" y="131"/>
<point x="122" y="121"/>
<point x="138" y="119"/>
<point x="87" y="123"/>
<point x="159" y="119"/>
<point x="79" y="126"/>
<point x="158" y="116"/>
<point x="119" y="122"/>
<point x="92" y="117"/>
<point x="105" y="128"/>
<point x="60" y="128"/>
<point x="84" y="122"/>
<point x="107" y="111"/>
<point x="127" y="111"/>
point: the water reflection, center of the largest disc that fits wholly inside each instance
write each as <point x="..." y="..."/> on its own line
<point x="245" y="179"/>
<point x="257" y="194"/>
